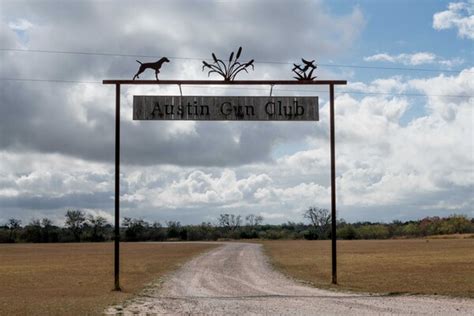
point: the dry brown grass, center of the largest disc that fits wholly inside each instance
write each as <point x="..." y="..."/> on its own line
<point x="76" y="279"/>
<point x="419" y="266"/>
<point x="451" y="236"/>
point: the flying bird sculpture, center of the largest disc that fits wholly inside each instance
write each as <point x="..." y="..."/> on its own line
<point x="301" y="71"/>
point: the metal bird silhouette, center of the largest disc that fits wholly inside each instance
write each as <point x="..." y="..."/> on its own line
<point x="301" y="71"/>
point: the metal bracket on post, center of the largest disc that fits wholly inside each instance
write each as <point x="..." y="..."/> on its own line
<point x="271" y="89"/>
<point x="180" y="91"/>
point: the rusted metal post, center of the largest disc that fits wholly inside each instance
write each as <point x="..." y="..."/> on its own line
<point x="117" y="190"/>
<point x="333" y="184"/>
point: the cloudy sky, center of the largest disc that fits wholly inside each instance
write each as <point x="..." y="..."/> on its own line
<point x="404" y="123"/>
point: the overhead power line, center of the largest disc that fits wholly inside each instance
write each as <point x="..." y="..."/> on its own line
<point x="196" y="58"/>
<point x="253" y="88"/>
<point x="49" y="80"/>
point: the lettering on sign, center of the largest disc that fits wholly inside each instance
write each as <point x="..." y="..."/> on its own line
<point x="225" y="108"/>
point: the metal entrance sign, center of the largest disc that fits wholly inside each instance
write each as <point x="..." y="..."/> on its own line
<point x="184" y="99"/>
<point x="225" y="108"/>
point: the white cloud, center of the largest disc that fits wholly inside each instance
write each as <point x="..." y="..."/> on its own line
<point x="385" y="85"/>
<point x="98" y="212"/>
<point x="86" y="110"/>
<point x="382" y="164"/>
<point x="422" y="58"/>
<point x="460" y="16"/>
<point x="8" y="192"/>
<point x="451" y="62"/>
<point x="20" y="25"/>
<point x="51" y="175"/>
<point x="196" y="188"/>
<point x="415" y="59"/>
<point x="448" y="107"/>
<point x="192" y="171"/>
<point x="268" y="215"/>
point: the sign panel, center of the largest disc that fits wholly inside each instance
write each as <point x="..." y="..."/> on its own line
<point x="225" y="108"/>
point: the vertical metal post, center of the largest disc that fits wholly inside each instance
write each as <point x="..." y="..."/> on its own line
<point x="117" y="190"/>
<point x="333" y="184"/>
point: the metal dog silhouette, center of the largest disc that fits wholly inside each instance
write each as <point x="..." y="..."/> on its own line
<point x="156" y="66"/>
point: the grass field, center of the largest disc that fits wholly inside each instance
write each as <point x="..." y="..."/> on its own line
<point x="436" y="266"/>
<point x="76" y="279"/>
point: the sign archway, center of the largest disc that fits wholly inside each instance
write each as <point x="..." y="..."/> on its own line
<point x="220" y="108"/>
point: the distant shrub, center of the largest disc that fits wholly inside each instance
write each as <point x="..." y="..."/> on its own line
<point x="4" y="235"/>
<point x="157" y="232"/>
<point x="310" y="234"/>
<point x="135" y="229"/>
<point x="458" y="224"/>
<point x="377" y="231"/>
<point x="411" y="230"/>
<point x="80" y="227"/>
<point x="248" y="234"/>
<point x="195" y="233"/>
<point x="32" y="232"/>
<point x="346" y="232"/>
<point x="173" y="229"/>
<point x="273" y="234"/>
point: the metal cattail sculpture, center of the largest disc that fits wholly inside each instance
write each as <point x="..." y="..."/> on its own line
<point x="229" y="71"/>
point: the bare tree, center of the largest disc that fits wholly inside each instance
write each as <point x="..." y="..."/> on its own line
<point x="320" y="218"/>
<point x="46" y="230"/>
<point x="13" y="225"/>
<point x="135" y="228"/>
<point x="173" y="229"/>
<point x="253" y="220"/>
<point x="230" y="221"/>
<point x="46" y="222"/>
<point x="75" y="220"/>
<point x="98" y="226"/>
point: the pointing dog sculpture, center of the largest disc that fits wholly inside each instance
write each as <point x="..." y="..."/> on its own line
<point x="156" y="66"/>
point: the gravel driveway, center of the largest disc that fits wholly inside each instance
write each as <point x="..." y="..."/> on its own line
<point x="236" y="279"/>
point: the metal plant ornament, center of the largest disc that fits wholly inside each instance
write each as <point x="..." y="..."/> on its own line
<point x="301" y="72"/>
<point x="229" y="71"/>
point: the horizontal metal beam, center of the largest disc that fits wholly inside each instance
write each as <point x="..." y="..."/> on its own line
<point x="222" y="82"/>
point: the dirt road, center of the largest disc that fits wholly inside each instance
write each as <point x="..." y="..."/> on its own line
<point x="236" y="279"/>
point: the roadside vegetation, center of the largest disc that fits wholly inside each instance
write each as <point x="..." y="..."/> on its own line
<point x="315" y="225"/>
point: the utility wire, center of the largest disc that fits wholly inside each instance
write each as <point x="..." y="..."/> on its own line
<point x="49" y="80"/>
<point x="195" y="58"/>
<point x="256" y="89"/>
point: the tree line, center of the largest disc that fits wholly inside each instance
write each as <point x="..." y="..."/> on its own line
<point x="80" y="227"/>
